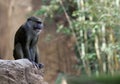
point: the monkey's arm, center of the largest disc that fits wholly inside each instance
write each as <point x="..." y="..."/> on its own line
<point x="36" y="54"/>
<point x="39" y="65"/>
<point x="27" y="53"/>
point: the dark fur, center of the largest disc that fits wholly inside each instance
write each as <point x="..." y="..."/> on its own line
<point x="26" y="39"/>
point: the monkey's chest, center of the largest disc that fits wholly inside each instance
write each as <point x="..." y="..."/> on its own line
<point x="33" y="42"/>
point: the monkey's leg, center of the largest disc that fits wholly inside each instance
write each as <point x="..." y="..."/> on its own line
<point x="34" y="57"/>
<point x="39" y="65"/>
<point x="18" y="53"/>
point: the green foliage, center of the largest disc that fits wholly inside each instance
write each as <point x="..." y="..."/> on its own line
<point x="41" y="11"/>
<point x="63" y="30"/>
<point x="103" y="79"/>
<point x="95" y="24"/>
<point x="61" y="76"/>
<point x="83" y="79"/>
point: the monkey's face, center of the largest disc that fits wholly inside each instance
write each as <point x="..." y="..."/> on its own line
<point x="35" y="24"/>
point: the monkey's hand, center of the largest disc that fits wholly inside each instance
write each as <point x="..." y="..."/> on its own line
<point x="39" y="66"/>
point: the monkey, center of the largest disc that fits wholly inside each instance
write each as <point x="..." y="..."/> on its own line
<point x="25" y="40"/>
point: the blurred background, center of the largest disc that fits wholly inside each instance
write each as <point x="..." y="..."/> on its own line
<point x="80" y="37"/>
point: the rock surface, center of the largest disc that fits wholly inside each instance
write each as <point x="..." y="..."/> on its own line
<point x="20" y="72"/>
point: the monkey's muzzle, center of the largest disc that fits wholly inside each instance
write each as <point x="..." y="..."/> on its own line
<point x="38" y="27"/>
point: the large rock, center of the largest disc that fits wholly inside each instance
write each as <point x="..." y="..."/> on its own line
<point x="20" y="72"/>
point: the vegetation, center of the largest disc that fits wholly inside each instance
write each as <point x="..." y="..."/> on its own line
<point x="95" y="26"/>
<point x="94" y="80"/>
<point x="83" y="79"/>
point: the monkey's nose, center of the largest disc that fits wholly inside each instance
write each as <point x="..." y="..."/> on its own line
<point x="38" y="26"/>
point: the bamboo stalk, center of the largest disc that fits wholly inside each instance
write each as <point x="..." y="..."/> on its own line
<point x="83" y="54"/>
<point x="103" y="47"/>
<point x="86" y="51"/>
<point x="98" y="53"/>
<point x="115" y="60"/>
<point x="83" y="34"/>
<point x="110" y="55"/>
<point x="117" y="3"/>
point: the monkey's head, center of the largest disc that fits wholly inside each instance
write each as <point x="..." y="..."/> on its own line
<point x="34" y="24"/>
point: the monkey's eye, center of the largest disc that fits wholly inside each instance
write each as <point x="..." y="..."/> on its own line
<point x="39" y="22"/>
<point x="37" y="26"/>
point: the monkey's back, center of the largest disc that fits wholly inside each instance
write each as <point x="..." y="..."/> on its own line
<point x="20" y="36"/>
